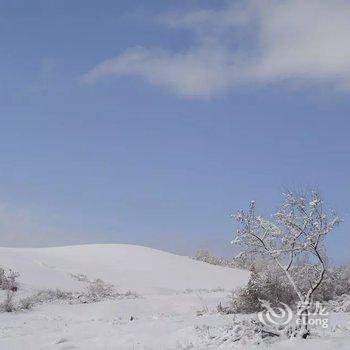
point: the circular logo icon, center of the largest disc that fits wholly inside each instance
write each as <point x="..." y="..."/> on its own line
<point x="278" y="316"/>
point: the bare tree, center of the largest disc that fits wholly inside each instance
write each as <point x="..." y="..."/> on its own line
<point x="295" y="233"/>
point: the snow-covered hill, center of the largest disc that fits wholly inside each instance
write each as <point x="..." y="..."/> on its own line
<point x="176" y="308"/>
<point x="172" y="288"/>
<point x="128" y="267"/>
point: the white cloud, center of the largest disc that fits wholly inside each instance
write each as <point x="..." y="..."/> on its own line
<point x="196" y="72"/>
<point x="256" y="42"/>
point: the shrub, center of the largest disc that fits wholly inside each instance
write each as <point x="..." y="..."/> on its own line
<point x="8" y="282"/>
<point x="205" y="256"/>
<point x="239" y="262"/>
<point x="269" y="283"/>
<point x="96" y="291"/>
<point x="25" y="303"/>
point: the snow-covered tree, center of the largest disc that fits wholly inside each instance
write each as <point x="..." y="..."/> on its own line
<point x="294" y="234"/>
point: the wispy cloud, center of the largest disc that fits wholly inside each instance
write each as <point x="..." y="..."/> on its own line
<point x="255" y="42"/>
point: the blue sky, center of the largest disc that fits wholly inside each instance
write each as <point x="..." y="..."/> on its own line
<point x="150" y="123"/>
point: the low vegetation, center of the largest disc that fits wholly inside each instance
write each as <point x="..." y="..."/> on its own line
<point x="95" y="291"/>
<point x="9" y="284"/>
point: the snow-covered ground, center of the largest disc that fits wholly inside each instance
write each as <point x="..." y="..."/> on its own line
<point x="175" y="310"/>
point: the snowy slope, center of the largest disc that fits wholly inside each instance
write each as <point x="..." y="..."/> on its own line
<point x="128" y="267"/>
<point x="165" y="317"/>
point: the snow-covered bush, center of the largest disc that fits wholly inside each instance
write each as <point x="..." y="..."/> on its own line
<point x="340" y="303"/>
<point x="25" y="303"/>
<point x="339" y="279"/>
<point x="245" y="332"/>
<point x="8" y="280"/>
<point x="98" y="290"/>
<point x="8" y="283"/>
<point x="45" y="296"/>
<point x="239" y="262"/>
<point x="52" y="295"/>
<point x="242" y="261"/>
<point x="267" y="282"/>
<point x="270" y="283"/>
<point x="207" y="257"/>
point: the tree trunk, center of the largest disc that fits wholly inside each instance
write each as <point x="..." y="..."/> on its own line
<point x="303" y="320"/>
